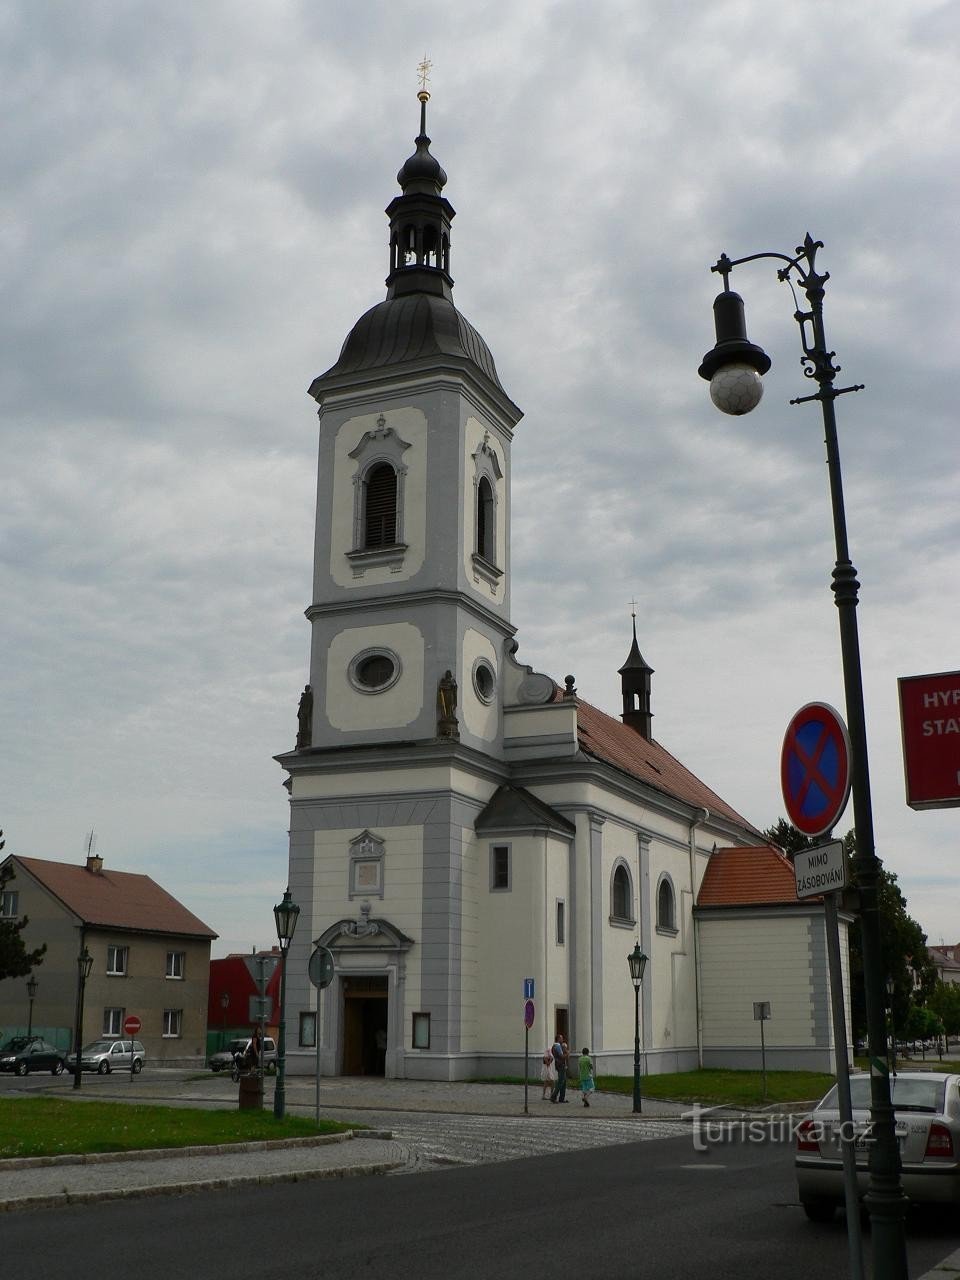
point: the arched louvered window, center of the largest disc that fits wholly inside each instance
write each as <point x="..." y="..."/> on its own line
<point x="380" y="512"/>
<point x="485" y="520"/>
<point x="620" y="904"/>
<point x="666" y="916"/>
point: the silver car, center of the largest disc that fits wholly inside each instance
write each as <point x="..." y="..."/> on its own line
<point x="926" y="1108"/>
<point x="106" y="1055"/>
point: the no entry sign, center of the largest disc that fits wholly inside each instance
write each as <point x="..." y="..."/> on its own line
<point x="815" y="768"/>
<point x="131" y="1025"/>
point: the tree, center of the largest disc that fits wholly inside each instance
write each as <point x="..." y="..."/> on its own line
<point x="944" y="1000"/>
<point x="15" y="960"/>
<point x="903" y="944"/>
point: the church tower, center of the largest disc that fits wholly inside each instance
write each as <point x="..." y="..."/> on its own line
<point x="400" y="740"/>
<point x="411" y="566"/>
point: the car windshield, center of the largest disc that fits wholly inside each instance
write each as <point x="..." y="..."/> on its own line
<point x="98" y="1046"/>
<point x="909" y="1093"/>
<point x="15" y="1045"/>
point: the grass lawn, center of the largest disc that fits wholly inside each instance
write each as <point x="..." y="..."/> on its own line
<point x="736" y="1088"/>
<point x="55" y="1127"/>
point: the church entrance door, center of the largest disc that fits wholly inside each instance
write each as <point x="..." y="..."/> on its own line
<point x="365" y="1007"/>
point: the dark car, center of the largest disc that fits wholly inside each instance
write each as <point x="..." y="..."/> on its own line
<point x="24" y="1054"/>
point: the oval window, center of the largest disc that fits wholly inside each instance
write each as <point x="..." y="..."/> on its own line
<point x="374" y="670"/>
<point x="484" y="681"/>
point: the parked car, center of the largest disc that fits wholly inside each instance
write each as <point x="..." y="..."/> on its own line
<point x="104" y="1056"/>
<point x="24" y="1054"/>
<point x="225" y="1059"/>
<point x="926" y="1108"/>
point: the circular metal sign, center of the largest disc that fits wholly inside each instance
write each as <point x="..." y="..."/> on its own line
<point x="131" y="1025"/>
<point x="529" y="1012"/>
<point x="321" y="968"/>
<point x="815" y="768"/>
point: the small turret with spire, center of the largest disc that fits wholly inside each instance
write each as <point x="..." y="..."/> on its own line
<point x="420" y="218"/>
<point x="635" y="682"/>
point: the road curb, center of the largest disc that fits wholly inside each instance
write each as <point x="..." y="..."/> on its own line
<point x="172" y="1153"/>
<point x="62" y="1199"/>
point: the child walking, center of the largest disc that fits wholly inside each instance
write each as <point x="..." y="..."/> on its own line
<point x="587" y="1083"/>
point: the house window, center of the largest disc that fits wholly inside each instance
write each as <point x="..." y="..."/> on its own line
<point x="112" y="1021"/>
<point x="117" y="960"/>
<point x="621" y="896"/>
<point x="9" y="902"/>
<point x="500" y="867"/>
<point x="175" y="961"/>
<point x="666" y="907"/>
<point x="380" y="507"/>
<point x="561" y="922"/>
<point x="421" y="1031"/>
<point x="172" y="1023"/>
<point x="308" y="1030"/>
<point x="486" y="523"/>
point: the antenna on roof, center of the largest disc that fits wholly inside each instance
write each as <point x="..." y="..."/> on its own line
<point x="90" y="843"/>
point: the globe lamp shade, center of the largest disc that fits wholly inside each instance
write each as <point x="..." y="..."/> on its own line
<point x="736" y="388"/>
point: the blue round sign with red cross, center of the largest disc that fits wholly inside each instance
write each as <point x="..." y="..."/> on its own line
<point x="815" y="768"/>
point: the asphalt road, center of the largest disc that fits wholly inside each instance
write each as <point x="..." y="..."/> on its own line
<point x="655" y="1209"/>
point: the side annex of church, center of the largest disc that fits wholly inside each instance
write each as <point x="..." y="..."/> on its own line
<point x="459" y="822"/>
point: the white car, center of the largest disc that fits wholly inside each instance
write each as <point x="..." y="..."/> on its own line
<point x="927" y="1114"/>
<point x="104" y="1056"/>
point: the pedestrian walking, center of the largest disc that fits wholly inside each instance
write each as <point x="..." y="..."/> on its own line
<point x="559" y="1091"/>
<point x="548" y="1075"/>
<point x="585" y="1071"/>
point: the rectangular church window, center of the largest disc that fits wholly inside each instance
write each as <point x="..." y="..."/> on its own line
<point x="500" y="866"/>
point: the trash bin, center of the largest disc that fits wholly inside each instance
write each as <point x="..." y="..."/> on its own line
<point x="251" y="1099"/>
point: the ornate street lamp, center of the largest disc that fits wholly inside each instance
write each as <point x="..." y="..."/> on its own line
<point x="637" y="962"/>
<point x="84" y="965"/>
<point x="31" y="996"/>
<point x="285" y="914"/>
<point x="734" y="368"/>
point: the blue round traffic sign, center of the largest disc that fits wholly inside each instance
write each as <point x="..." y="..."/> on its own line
<point x="815" y="768"/>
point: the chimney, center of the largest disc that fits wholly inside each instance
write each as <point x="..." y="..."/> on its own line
<point x="94" y="863"/>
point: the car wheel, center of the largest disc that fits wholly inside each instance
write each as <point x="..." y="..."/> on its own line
<point x="57" y="1069"/>
<point x="215" y="1066"/>
<point x="22" y="1068"/>
<point x="819" y="1210"/>
<point x="137" y="1066"/>
<point x="103" y="1068"/>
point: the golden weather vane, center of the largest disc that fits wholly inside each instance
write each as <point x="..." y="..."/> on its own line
<point x="423" y="71"/>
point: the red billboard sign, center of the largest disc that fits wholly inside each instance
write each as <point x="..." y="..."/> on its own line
<point x="930" y="723"/>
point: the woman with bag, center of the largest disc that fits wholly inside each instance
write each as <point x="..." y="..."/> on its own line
<point x="548" y="1077"/>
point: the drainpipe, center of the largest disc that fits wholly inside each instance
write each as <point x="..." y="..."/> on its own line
<point x="700" y="817"/>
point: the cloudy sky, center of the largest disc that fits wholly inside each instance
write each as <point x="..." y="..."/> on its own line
<point x="191" y="219"/>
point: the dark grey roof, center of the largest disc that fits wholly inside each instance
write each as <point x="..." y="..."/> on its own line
<point x="516" y="809"/>
<point x="415" y="326"/>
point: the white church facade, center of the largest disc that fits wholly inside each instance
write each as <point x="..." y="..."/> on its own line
<point x="459" y="822"/>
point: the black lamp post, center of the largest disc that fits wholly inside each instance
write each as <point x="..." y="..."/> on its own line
<point x="891" y="988"/>
<point x="31" y="995"/>
<point x="84" y="965"/>
<point x="285" y="914"/>
<point x="733" y="368"/>
<point x="224" y="1005"/>
<point x="637" y="962"/>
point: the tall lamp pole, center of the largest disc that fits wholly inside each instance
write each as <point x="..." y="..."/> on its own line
<point x="637" y="962"/>
<point x="733" y="368"/>
<point x="31" y="995"/>
<point x="224" y="1005"/>
<point x="84" y="965"/>
<point x="285" y="914"/>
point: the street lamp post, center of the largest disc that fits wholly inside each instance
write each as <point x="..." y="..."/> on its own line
<point x="734" y="368"/>
<point x="224" y="1005"/>
<point x="891" y="987"/>
<point x="637" y="962"/>
<point x="31" y="995"/>
<point x="84" y="965"/>
<point x="285" y="914"/>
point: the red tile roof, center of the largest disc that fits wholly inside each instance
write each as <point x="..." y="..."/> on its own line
<point x="761" y="876"/>
<point x="115" y="899"/>
<point x="616" y="743"/>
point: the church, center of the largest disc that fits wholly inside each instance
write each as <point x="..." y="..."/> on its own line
<point x="463" y="826"/>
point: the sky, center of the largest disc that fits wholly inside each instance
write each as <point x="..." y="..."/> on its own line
<point x="191" y="220"/>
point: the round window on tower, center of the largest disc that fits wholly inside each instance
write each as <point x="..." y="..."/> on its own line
<point x="374" y="670"/>
<point x="484" y="680"/>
